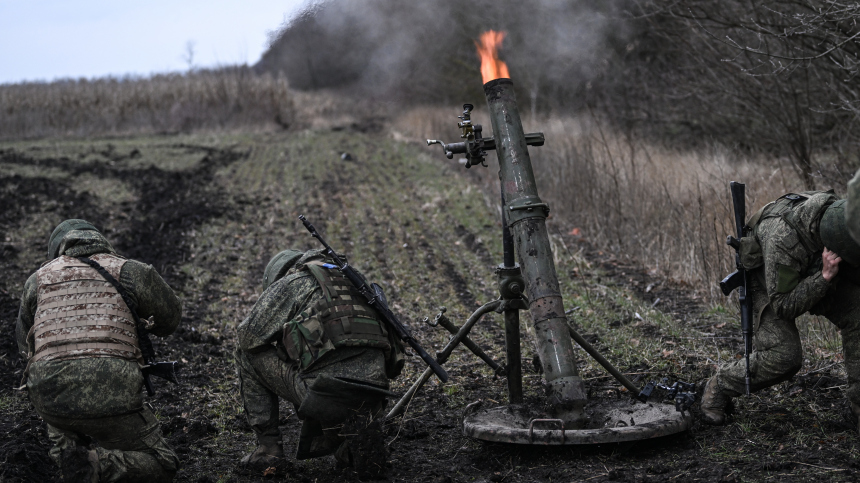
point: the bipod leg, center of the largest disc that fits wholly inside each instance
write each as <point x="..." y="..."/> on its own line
<point x="634" y="391"/>
<point x="514" y="359"/>
<point x="443" y="356"/>
<point x="442" y="320"/>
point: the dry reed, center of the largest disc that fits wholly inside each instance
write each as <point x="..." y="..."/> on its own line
<point x="669" y="210"/>
<point x="212" y="99"/>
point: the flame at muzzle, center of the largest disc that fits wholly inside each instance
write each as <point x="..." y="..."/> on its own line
<point x="488" y="50"/>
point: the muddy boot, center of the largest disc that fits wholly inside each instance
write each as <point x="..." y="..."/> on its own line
<point x="714" y="403"/>
<point x="79" y="465"/>
<point x="364" y="449"/>
<point x="268" y="452"/>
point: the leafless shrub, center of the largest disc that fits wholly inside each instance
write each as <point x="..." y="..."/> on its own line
<point x="669" y="209"/>
<point x="773" y="76"/>
<point x="210" y="99"/>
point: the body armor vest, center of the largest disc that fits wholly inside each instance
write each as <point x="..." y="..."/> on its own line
<point x="342" y="318"/>
<point x="785" y="207"/>
<point x="80" y="315"/>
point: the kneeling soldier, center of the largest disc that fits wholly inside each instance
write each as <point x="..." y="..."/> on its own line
<point x="313" y="340"/>
<point x="799" y="258"/>
<point x="83" y="372"/>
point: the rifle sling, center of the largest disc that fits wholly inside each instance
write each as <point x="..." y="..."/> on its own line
<point x="145" y="344"/>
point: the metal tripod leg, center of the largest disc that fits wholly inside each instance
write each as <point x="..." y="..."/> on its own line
<point x="514" y="360"/>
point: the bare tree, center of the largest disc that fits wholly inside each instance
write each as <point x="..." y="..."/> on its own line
<point x="188" y="56"/>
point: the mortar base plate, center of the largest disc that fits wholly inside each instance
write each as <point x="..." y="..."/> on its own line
<point x="608" y="421"/>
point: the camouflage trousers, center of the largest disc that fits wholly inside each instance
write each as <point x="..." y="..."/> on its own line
<point x="264" y="377"/>
<point x="131" y="447"/>
<point x="778" y="354"/>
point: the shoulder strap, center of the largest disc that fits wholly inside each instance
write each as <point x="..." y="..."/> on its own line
<point x="145" y="344"/>
<point x="783" y="208"/>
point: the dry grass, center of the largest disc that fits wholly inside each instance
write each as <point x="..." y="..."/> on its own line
<point x="213" y="99"/>
<point x="669" y="210"/>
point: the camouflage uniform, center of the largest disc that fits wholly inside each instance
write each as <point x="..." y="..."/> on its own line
<point x="786" y="283"/>
<point x="96" y="393"/>
<point x="326" y="386"/>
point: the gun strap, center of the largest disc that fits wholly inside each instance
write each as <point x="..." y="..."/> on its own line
<point x="145" y="344"/>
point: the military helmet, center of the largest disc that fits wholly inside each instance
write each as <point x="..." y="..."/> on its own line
<point x="279" y="265"/>
<point x="60" y="232"/>
<point x="835" y="235"/>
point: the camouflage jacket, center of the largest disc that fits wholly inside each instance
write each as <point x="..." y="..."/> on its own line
<point x="790" y="279"/>
<point x="96" y="387"/>
<point x="284" y="301"/>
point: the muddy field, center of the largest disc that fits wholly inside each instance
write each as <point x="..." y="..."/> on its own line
<point x="208" y="211"/>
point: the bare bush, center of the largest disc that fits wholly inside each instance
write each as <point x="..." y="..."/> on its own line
<point x="668" y="209"/>
<point x="773" y="76"/>
<point x="224" y="98"/>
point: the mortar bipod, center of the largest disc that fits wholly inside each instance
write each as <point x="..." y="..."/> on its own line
<point x="444" y="354"/>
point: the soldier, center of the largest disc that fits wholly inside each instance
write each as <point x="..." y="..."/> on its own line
<point x="313" y="340"/>
<point x="83" y="358"/>
<point x="800" y="258"/>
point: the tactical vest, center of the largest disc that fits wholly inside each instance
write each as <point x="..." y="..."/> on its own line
<point x="342" y="318"/>
<point x="80" y="315"/>
<point x="784" y="208"/>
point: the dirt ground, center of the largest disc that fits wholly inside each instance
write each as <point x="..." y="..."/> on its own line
<point x="208" y="211"/>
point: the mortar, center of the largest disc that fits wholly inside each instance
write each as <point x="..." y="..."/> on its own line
<point x="566" y="417"/>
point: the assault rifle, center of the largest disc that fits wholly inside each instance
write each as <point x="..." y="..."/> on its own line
<point x="164" y="370"/>
<point x="376" y="299"/>
<point x="738" y="279"/>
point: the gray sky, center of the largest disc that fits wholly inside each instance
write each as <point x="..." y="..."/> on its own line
<point x="50" y="39"/>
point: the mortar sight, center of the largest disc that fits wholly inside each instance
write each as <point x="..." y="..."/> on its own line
<point x="528" y="280"/>
<point x="475" y="146"/>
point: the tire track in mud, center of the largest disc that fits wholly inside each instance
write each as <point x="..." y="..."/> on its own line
<point x="169" y="204"/>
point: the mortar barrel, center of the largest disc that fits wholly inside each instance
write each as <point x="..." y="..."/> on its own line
<point x="525" y="215"/>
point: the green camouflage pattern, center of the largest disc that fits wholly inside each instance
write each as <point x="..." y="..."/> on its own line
<point x="131" y="447"/>
<point x="264" y="377"/>
<point x="788" y="284"/>
<point x="265" y="370"/>
<point x="279" y="265"/>
<point x="77" y="387"/>
<point x="63" y="229"/>
<point x="86" y="396"/>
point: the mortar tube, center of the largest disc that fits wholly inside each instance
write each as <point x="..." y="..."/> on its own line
<point x="526" y="218"/>
<point x="443" y="356"/>
<point x="507" y="239"/>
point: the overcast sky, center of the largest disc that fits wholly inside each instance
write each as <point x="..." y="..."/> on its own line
<point x="51" y="39"/>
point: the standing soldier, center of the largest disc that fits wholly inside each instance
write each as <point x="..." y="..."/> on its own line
<point x="799" y="258"/>
<point x="313" y="340"/>
<point x="83" y="372"/>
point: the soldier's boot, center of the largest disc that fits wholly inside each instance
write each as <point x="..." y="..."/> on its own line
<point x="714" y="403"/>
<point x="364" y="449"/>
<point x="268" y="452"/>
<point x="79" y="465"/>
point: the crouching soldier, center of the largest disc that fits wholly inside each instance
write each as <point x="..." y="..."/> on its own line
<point x="313" y="340"/>
<point x="83" y="372"/>
<point x="800" y="258"/>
